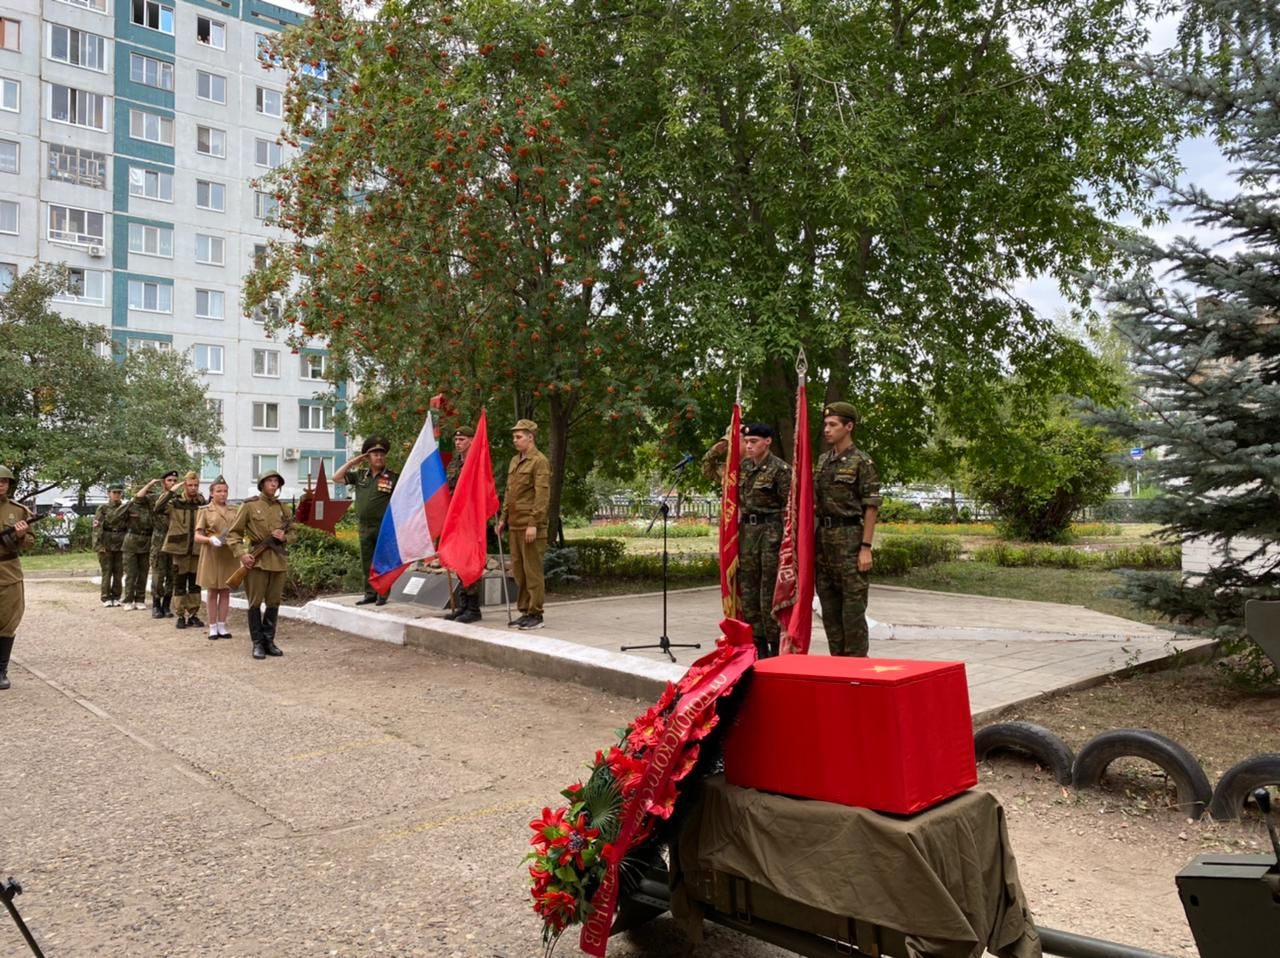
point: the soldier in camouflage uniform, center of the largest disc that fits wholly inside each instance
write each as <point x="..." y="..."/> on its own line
<point x="177" y="509"/>
<point x="15" y="535"/>
<point x="108" y="542"/>
<point x="846" y="492"/>
<point x="263" y="519"/>
<point x="136" y="515"/>
<point x="373" y="488"/>
<point x="467" y="596"/>
<point x="161" y="561"/>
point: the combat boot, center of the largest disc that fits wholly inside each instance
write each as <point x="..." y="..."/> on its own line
<point x="164" y="605"/>
<point x="156" y="611"/>
<point x="458" y="608"/>
<point x="269" y="631"/>
<point x="6" y="646"/>
<point x="470" y="609"/>
<point x="255" y="632"/>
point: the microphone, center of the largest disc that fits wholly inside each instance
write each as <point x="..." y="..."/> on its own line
<point x="684" y="461"/>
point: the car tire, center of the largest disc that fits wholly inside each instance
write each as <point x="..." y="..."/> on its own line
<point x="1026" y="738"/>
<point x="1238" y="783"/>
<point x="1182" y="768"/>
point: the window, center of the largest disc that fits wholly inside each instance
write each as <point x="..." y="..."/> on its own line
<point x="10" y="34"/>
<point x="153" y="15"/>
<point x="314" y="365"/>
<point x="8" y="217"/>
<point x="264" y="464"/>
<point x="150" y="297"/>
<point x="270" y="102"/>
<point x="211" y="196"/>
<point x="259" y="255"/>
<point x="215" y="410"/>
<point x="267" y="153"/>
<point x="138" y="343"/>
<point x="151" y="240"/>
<point x="67" y="224"/>
<point x="150" y="72"/>
<point x="309" y="466"/>
<point x="211" y="86"/>
<point x="152" y="184"/>
<point x="314" y="418"/>
<point x="212" y="32"/>
<point x="151" y="127"/>
<point x="8" y="156"/>
<point x="269" y="310"/>
<point x="77" y="107"/>
<point x="207" y="358"/>
<point x="84" y="286"/>
<point x="264" y="205"/>
<point x="266" y="415"/>
<point x="211" y="142"/>
<point x="8" y="273"/>
<point x="77" y="47"/>
<point x="99" y="5"/>
<point x="210" y="303"/>
<point x="210" y="469"/>
<point x="266" y="362"/>
<point x="209" y="249"/>
<point x="71" y="164"/>
<point x="10" y="95"/>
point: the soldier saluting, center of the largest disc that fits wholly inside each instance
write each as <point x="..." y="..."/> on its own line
<point x="136" y="516"/>
<point x="257" y="536"/>
<point x="373" y="488"/>
<point x="15" y="535"/>
<point x="179" y="508"/>
<point x="161" y="561"/>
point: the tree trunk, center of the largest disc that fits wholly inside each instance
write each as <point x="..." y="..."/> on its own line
<point x="557" y="456"/>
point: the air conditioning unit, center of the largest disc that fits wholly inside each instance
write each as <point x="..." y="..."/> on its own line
<point x="292" y="455"/>
<point x="96" y="252"/>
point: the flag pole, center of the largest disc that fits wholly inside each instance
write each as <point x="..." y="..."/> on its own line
<point x="502" y="567"/>
<point x="449" y="576"/>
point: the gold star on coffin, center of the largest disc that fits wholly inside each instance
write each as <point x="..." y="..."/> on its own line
<point x="317" y="510"/>
<point x="886" y="668"/>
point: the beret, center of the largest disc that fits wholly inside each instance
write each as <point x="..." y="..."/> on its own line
<point x="758" y="429"/>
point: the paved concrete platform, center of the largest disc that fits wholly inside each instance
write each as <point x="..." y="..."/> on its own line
<point x="1013" y="650"/>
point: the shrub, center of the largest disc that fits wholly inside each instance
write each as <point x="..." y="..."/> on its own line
<point x="895" y="510"/>
<point x="596" y="556"/>
<point x="1064" y="557"/>
<point x="639" y="529"/>
<point x="897" y="555"/>
<point x="561" y="565"/>
<point x="319" y="562"/>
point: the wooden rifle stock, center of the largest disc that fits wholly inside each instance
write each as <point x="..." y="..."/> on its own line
<point x="234" y="580"/>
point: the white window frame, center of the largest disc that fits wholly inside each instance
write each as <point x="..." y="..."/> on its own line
<point x="146" y="7"/>
<point x="262" y="415"/>
<point x="307" y="369"/>
<point x="163" y="296"/>
<point x="261" y="99"/>
<point x="10" y="92"/>
<point x="217" y="29"/>
<point x="163" y="69"/>
<point x="134" y="344"/>
<point x="263" y="150"/>
<point x="266" y="363"/>
<point x="214" y="244"/>
<point x="8" y="273"/>
<point x="215" y="304"/>
<point x="17" y="156"/>
<point x="141" y="179"/>
<point x="79" y="103"/>
<point x="215" y="409"/>
<point x="147" y="240"/>
<point x="76" y="51"/>
<point x="212" y="130"/>
<point x="97" y="6"/>
<point x="9" y="209"/>
<point x="264" y="205"/>
<point x="212" y="351"/>
<point x="83" y="167"/>
<point x="307" y="413"/>
<point x="206" y="87"/>
<point x="8" y="26"/>
<point x="80" y="237"/>
<point x="264" y="462"/>
<point x="213" y="189"/>
<point x="81" y="276"/>
<point x="210" y="468"/>
<point x="141" y="120"/>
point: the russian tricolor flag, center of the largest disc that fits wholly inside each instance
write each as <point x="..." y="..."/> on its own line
<point x="414" y="515"/>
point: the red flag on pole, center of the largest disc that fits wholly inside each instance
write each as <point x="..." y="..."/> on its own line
<point x="793" y="594"/>
<point x="729" y="518"/>
<point x="475" y="499"/>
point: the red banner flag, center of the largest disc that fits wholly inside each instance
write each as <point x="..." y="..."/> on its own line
<point x="474" y="500"/>
<point x="729" y="518"/>
<point x="793" y="594"/>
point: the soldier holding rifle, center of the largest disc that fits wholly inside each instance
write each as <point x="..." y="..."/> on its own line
<point x="258" y="537"/>
<point x="15" y="535"/>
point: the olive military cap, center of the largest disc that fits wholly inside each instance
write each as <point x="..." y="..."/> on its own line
<point x="526" y="425"/>
<point x="844" y="410"/>
<point x="267" y="475"/>
<point x="468" y="431"/>
<point x="6" y="473"/>
<point x="758" y="429"/>
<point x="374" y="444"/>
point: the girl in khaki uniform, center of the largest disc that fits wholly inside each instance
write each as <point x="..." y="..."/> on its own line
<point x="217" y="561"/>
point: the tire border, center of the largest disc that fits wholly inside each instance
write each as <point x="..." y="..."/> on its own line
<point x="1239" y="781"/>
<point x="1027" y="738"/>
<point x="1183" y="768"/>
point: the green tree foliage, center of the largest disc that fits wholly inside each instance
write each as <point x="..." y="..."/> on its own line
<point x="1206" y="333"/>
<point x="73" y="416"/>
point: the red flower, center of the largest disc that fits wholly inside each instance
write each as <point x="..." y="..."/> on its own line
<point x="550" y="826"/>
<point x="557" y="908"/>
<point x="567" y="848"/>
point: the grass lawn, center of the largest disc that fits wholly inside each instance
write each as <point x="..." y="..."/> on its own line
<point x="1083" y="587"/>
<point x="69" y="563"/>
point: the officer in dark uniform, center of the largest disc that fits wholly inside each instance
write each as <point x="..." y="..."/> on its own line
<point x="15" y="535"/>
<point x="468" y="596"/>
<point x="372" y="487"/>
<point x="846" y="491"/>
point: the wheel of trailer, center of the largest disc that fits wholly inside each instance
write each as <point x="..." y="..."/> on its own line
<point x="1179" y="765"/>
<point x="1237" y="784"/>
<point x="633" y="911"/>
<point x="1026" y="738"/>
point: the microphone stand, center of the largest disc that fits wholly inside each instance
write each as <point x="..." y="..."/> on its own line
<point x="664" y="643"/>
<point x="9" y="890"/>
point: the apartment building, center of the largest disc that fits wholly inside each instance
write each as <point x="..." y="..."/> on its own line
<point x="131" y="132"/>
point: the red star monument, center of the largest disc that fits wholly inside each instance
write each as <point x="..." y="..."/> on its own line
<point x="317" y="510"/>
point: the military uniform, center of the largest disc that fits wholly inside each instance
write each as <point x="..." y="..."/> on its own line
<point x="135" y="513"/>
<point x="257" y="518"/>
<point x="12" y="597"/>
<point x="468" y="596"/>
<point x="108" y="542"/>
<point x="178" y="513"/>
<point x="844" y="486"/>
<point x="762" y="500"/>
<point x="525" y="504"/>
<point x="162" y="574"/>
<point x="373" y="495"/>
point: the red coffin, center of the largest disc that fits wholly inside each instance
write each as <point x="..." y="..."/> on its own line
<point x="894" y="735"/>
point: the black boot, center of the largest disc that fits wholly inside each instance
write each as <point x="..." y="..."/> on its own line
<point x="458" y="608"/>
<point x="470" y="609"/>
<point x="269" y="630"/>
<point x="255" y="632"/>
<point x="6" y="646"/>
<point x="164" y="605"/>
<point x="156" y="611"/>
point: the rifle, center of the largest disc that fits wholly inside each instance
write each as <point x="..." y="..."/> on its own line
<point x="237" y="577"/>
<point x="9" y="541"/>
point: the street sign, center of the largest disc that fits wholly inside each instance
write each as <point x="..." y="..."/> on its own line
<point x="1135" y="452"/>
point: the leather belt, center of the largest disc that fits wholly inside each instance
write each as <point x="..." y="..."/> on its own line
<point x="761" y="518"/>
<point x="828" y="522"/>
